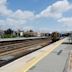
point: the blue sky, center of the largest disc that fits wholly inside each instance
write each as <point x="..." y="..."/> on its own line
<point x="39" y="15"/>
<point x="32" y="5"/>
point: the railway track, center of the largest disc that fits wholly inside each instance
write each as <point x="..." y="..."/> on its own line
<point x="11" y="52"/>
<point x="17" y="45"/>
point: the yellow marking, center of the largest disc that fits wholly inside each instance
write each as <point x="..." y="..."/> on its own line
<point x="41" y="55"/>
<point x="70" y="61"/>
<point x="30" y="59"/>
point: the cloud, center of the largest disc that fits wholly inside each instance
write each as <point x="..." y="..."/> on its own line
<point x="15" y="24"/>
<point x="20" y="17"/>
<point x="56" y="9"/>
<point x="66" y="21"/>
<point x="18" y="14"/>
<point x="13" y="18"/>
<point x="4" y="11"/>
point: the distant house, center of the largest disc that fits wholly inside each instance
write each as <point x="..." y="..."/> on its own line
<point x="40" y="34"/>
<point x="30" y="34"/>
<point x="1" y="32"/>
<point x="21" y="33"/>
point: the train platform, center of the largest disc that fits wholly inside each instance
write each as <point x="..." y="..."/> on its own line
<point x="56" y="61"/>
<point x="19" y="38"/>
<point x="52" y="58"/>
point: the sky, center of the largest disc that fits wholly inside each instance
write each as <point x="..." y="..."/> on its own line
<point x="38" y="15"/>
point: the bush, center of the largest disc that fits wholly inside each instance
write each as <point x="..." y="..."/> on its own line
<point x="8" y="36"/>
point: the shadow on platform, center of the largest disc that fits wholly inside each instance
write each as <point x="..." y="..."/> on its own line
<point x="67" y="43"/>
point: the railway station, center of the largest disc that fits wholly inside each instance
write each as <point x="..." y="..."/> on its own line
<point x="35" y="35"/>
<point x="39" y="57"/>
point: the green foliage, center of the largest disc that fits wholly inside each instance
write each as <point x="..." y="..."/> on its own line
<point x="8" y="36"/>
<point x="8" y="31"/>
<point x="30" y="30"/>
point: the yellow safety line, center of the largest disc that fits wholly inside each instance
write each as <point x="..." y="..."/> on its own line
<point x="40" y="56"/>
<point x="70" y="61"/>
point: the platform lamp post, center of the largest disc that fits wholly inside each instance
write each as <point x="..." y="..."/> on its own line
<point x="70" y="35"/>
<point x="69" y="38"/>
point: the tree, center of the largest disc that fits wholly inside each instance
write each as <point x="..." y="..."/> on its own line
<point x="31" y="31"/>
<point x="8" y="31"/>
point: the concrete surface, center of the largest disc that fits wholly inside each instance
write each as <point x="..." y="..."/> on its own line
<point x="54" y="62"/>
<point x="25" y="63"/>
